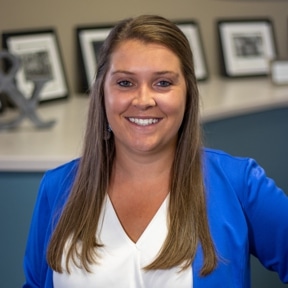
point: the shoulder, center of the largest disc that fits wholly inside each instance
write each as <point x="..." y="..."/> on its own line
<point x="225" y="162"/>
<point x="219" y="156"/>
<point x="58" y="181"/>
<point x="227" y="170"/>
<point x="63" y="172"/>
<point x="234" y="166"/>
<point x="242" y="176"/>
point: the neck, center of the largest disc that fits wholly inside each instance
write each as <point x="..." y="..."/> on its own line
<point x="143" y="165"/>
<point x="142" y="173"/>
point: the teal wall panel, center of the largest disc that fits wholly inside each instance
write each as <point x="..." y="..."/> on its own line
<point x="17" y="197"/>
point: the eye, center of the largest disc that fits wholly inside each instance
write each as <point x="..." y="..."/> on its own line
<point x="164" y="83"/>
<point x="124" y="83"/>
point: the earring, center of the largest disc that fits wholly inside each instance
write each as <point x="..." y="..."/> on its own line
<point x="107" y="132"/>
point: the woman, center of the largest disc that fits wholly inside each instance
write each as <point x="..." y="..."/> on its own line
<point x="146" y="205"/>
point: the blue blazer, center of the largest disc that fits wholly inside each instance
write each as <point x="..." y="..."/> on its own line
<point x="247" y="212"/>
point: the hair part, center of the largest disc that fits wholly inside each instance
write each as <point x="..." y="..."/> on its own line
<point x="188" y="223"/>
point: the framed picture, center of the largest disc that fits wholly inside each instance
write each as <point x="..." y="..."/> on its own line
<point x="247" y="47"/>
<point x="40" y="57"/>
<point x="279" y="71"/>
<point x="192" y="31"/>
<point x="89" y="41"/>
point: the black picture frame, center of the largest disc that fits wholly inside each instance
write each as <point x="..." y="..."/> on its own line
<point x="191" y="29"/>
<point x="89" y="40"/>
<point x="40" y="55"/>
<point x="246" y="46"/>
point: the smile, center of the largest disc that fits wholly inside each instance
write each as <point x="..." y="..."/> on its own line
<point x="143" y="122"/>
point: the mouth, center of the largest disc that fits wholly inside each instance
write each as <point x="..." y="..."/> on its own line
<point x="143" y="122"/>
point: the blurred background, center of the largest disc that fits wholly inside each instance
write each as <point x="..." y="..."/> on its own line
<point x="261" y="135"/>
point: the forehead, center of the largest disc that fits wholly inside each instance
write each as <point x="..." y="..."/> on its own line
<point x="136" y="52"/>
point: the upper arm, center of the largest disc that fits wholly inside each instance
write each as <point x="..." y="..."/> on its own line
<point x="266" y="211"/>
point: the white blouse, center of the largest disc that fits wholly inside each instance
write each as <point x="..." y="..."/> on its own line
<point x="122" y="260"/>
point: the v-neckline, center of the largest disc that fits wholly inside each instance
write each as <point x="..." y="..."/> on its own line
<point x="152" y="225"/>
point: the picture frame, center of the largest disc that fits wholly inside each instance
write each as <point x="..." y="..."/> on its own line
<point x="89" y="40"/>
<point x="246" y="46"/>
<point x="191" y="29"/>
<point x="40" y="56"/>
<point x="279" y="71"/>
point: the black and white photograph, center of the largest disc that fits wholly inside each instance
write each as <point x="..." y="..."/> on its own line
<point x="246" y="46"/>
<point x="40" y="57"/>
<point x="36" y="65"/>
<point x="89" y="41"/>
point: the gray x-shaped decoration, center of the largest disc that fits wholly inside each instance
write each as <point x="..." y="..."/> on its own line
<point x="27" y="107"/>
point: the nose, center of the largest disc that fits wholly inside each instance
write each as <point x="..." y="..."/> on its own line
<point x="144" y="97"/>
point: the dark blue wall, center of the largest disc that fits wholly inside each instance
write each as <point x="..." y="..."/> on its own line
<point x="263" y="136"/>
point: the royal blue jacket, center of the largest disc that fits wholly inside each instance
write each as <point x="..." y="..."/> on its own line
<point x="247" y="215"/>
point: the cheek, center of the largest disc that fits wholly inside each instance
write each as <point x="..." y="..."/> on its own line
<point x="175" y="105"/>
<point x="183" y="103"/>
<point x="177" y="110"/>
<point x="115" y="103"/>
<point x="110" y="99"/>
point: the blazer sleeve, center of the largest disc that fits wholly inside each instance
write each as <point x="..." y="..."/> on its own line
<point x="35" y="253"/>
<point x="266" y="209"/>
<point x="53" y="193"/>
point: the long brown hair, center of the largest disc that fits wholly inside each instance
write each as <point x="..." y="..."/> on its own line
<point x="188" y="224"/>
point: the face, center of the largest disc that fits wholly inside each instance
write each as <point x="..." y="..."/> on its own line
<point x="145" y="97"/>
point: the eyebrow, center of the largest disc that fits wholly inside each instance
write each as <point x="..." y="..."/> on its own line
<point x="164" y="72"/>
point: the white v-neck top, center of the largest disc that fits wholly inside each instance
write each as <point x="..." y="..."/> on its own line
<point x="122" y="260"/>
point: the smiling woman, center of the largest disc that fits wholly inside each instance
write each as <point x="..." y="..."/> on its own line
<point x="146" y="205"/>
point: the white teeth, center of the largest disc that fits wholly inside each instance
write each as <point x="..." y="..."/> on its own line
<point x="143" y="122"/>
